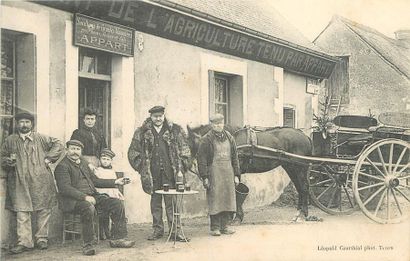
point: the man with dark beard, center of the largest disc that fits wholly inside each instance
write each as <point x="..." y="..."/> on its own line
<point x="26" y="156"/>
<point x="158" y="152"/>
<point x="76" y="185"/>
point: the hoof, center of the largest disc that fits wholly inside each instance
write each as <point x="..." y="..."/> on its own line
<point x="236" y="222"/>
<point x="297" y="218"/>
<point x="313" y="218"/>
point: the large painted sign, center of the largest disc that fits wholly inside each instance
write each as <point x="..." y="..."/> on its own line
<point x="97" y="34"/>
<point x="166" y="23"/>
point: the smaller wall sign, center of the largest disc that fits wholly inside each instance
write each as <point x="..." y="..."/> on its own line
<point x="98" y="34"/>
<point x="312" y="86"/>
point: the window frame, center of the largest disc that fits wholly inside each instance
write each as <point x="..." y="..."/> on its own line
<point x="13" y="80"/>
<point x="106" y="89"/>
<point x="226" y="104"/>
<point x="293" y="110"/>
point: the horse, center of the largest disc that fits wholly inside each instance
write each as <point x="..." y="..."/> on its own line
<point x="255" y="160"/>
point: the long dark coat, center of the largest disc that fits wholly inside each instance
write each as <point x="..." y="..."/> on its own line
<point x="30" y="184"/>
<point x="140" y="151"/>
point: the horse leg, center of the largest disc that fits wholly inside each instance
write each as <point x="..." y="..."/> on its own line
<point x="293" y="177"/>
<point x="302" y="174"/>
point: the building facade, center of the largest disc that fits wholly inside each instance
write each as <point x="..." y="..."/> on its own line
<point x="123" y="57"/>
<point x="373" y="75"/>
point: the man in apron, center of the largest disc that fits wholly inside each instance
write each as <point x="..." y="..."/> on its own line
<point x="218" y="167"/>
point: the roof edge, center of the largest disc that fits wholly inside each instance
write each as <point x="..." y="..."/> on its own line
<point x="181" y="8"/>
<point x="349" y="24"/>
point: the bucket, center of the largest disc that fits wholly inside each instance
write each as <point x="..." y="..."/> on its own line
<point x="241" y="191"/>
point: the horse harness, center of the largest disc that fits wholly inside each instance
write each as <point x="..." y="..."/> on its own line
<point x="251" y="139"/>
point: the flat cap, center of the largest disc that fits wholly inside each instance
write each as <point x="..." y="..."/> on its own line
<point x="24" y="115"/>
<point x="216" y="118"/>
<point x="75" y="143"/>
<point x="107" y="152"/>
<point x="156" y="109"/>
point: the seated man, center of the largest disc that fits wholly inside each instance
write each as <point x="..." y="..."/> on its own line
<point x="77" y="194"/>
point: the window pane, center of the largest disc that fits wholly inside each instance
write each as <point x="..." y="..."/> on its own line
<point x="93" y="61"/>
<point x="87" y="64"/>
<point x="7" y="59"/>
<point x="6" y="129"/>
<point x="6" y="99"/>
<point x="289" y="117"/>
<point x="220" y="90"/>
<point x="221" y="108"/>
<point x="104" y="64"/>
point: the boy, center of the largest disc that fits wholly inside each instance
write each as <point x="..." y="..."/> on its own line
<point x="105" y="171"/>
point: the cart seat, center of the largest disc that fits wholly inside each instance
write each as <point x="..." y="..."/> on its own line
<point x="360" y="139"/>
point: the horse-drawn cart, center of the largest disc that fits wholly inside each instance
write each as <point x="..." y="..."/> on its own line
<point x="356" y="164"/>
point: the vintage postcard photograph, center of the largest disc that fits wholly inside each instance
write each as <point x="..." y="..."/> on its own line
<point x="209" y="130"/>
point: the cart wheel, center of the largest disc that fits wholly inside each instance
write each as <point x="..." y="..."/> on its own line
<point x="381" y="181"/>
<point x="330" y="188"/>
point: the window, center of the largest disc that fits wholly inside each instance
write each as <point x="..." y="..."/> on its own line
<point x="289" y="117"/>
<point x="226" y="97"/>
<point x="17" y="94"/>
<point x="8" y="86"/>
<point x="95" y="87"/>
<point x="221" y="96"/>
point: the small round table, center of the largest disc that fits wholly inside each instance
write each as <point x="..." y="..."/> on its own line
<point x="177" y="209"/>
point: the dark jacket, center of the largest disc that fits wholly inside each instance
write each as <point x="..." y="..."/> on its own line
<point x="68" y="175"/>
<point x="140" y="151"/>
<point x="206" y="154"/>
<point x="83" y="134"/>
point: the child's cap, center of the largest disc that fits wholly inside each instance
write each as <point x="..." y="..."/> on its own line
<point x="107" y="152"/>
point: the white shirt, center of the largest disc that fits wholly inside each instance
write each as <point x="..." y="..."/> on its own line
<point x="158" y="129"/>
<point x="24" y="136"/>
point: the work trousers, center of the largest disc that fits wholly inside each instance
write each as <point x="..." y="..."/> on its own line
<point x="105" y="205"/>
<point x="156" y="211"/>
<point x="220" y="221"/>
<point x="24" y="231"/>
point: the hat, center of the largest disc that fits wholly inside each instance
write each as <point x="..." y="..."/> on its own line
<point x="24" y="115"/>
<point x="107" y="152"/>
<point x="75" y="143"/>
<point x="89" y="111"/>
<point x="156" y="109"/>
<point x="217" y="118"/>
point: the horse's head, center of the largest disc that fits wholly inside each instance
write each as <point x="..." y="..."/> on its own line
<point x="194" y="136"/>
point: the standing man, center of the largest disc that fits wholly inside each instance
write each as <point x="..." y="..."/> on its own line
<point x="158" y="151"/>
<point x="26" y="156"/>
<point x="218" y="166"/>
<point x="93" y="140"/>
<point x="76" y="185"/>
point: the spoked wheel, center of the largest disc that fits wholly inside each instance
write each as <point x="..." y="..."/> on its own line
<point x="331" y="190"/>
<point x="381" y="181"/>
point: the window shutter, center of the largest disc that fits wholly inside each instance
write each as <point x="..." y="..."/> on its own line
<point x="211" y="79"/>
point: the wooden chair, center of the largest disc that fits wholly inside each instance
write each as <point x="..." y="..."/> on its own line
<point x="72" y="226"/>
